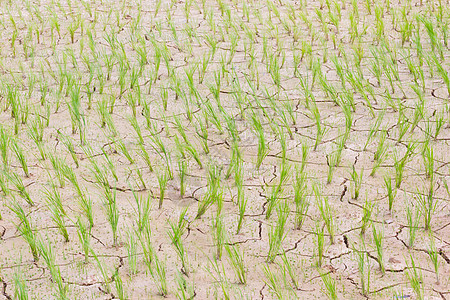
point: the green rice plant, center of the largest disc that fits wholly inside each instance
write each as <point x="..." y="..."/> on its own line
<point x="54" y="203"/>
<point x="287" y="268"/>
<point x="237" y="261"/>
<point x="320" y="129"/>
<point x="428" y="157"/>
<point x="112" y="213"/>
<point x="272" y="201"/>
<point x="144" y="154"/>
<point x="278" y="232"/>
<point x="16" y="180"/>
<point x="356" y="182"/>
<point x="262" y="144"/>
<point x="380" y="154"/>
<point x="367" y="214"/>
<point x="110" y="164"/>
<point x="4" y="183"/>
<point x="434" y="255"/>
<point x="131" y="247"/>
<point x="415" y="278"/>
<point x="439" y="122"/>
<point x="121" y="293"/>
<point x="203" y="134"/>
<point x="325" y="212"/>
<point x="46" y="252"/>
<point x="413" y="224"/>
<point x="391" y="192"/>
<point x="162" y="182"/>
<point x="219" y="234"/>
<point x="182" y="168"/>
<point x="305" y="152"/>
<point x="334" y="159"/>
<point x="70" y="147"/>
<point x="300" y="198"/>
<point x="159" y="274"/>
<point x="185" y="291"/>
<point x="330" y="285"/>
<point x="59" y="166"/>
<point x="402" y="124"/>
<point x="399" y="164"/>
<point x="134" y="123"/>
<point x="20" y="157"/>
<point x="378" y="239"/>
<point x="320" y="243"/>
<point x="143" y="208"/>
<point x="103" y="270"/>
<point x="175" y="234"/>
<point x="121" y="148"/>
<point x="375" y="128"/>
<point x="214" y="190"/>
<point x="241" y="199"/>
<point x="272" y="282"/>
<point x="4" y="145"/>
<point x="427" y="205"/>
<point x="194" y="153"/>
<point x="364" y="270"/>
<point x="84" y="237"/>
<point x="25" y="227"/>
<point x="147" y="247"/>
<point x="20" y="286"/>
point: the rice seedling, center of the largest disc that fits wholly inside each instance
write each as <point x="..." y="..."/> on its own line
<point x="4" y="145"/>
<point x="25" y="228"/>
<point x="364" y="270"/>
<point x="163" y="179"/>
<point x="122" y="148"/>
<point x="378" y="236"/>
<point x="434" y="255"/>
<point x="288" y="268"/>
<point x="20" y="286"/>
<point x="19" y="185"/>
<point x="399" y="164"/>
<point x="278" y="232"/>
<point x="237" y="260"/>
<point x="214" y="191"/>
<point x="391" y="192"/>
<point x="330" y="285"/>
<point x="415" y="278"/>
<point x="121" y="293"/>
<point x="70" y="147"/>
<point x="20" y="157"/>
<point x="103" y="271"/>
<point x="300" y="198"/>
<point x="367" y="214"/>
<point x="413" y="218"/>
<point x="272" y="282"/>
<point x="46" y="252"/>
<point x="112" y="213"/>
<point x="84" y="237"/>
<point x="325" y="212"/>
<point x="320" y="243"/>
<point x="356" y="182"/>
<point x="54" y="202"/>
<point x="159" y="274"/>
<point x="427" y="205"/>
<point x="262" y="145"/>
<point x="175" y="234"/>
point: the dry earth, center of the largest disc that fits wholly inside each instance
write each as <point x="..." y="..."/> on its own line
<point x="135" y="99"/>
